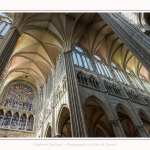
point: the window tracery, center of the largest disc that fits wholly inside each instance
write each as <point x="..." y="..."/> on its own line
<point x="5" y="23"/>
<point x="146" y="99"/>
<point x="61" y="88"/>
<point x="22" y="122"/>
<point x="133" y="96"/>
<point x="82" y="79"/>
<point x="102" y="67"/>
<point x="108" y="87"/>
<point x="7" y="120"/>
<point x="134" y="79"/>
<point x="145" y="82"/>
<point x="116" y="90"/>
<point x="112" y="88"/>
<point x="20" y="96"/>
<point x="93" y="82"/>
<point x="80" y="58"/>
<point x="119" y="74"/>
<point x="15" y="121"/>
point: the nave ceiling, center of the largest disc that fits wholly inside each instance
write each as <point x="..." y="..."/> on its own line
<point x="44" y="35"/>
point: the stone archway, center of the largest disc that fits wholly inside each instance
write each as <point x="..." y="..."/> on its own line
<point x="127" y="123"/>
<point x="64" y="124"/>
<point x="97" y="121"/>
<point x="48" y="132"/>
<point x="146" y="121"/>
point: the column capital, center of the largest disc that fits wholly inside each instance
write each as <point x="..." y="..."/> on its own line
<point x="140" y="127"/>
<point x="114" y="122"/>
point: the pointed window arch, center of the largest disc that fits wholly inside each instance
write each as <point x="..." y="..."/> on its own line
<point x="5" y="24"/>
<point x="20" y="96"/>
<point x="145" y="82"/>
<point x="7" y="120"/>
<point x="119" y="74"/>
<point x="134" y="79"/>
<point x="80" y="58"/>
<point x="102" y="67"/>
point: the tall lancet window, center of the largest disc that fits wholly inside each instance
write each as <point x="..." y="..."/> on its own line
<point x="119" y="74"/>
<point x="5" y="23"/>
<point x="80" y="58"/>
<point x="134" y="79"/>
<point x="20" y="96"/>
<point x="102" y="67"/>
<point x="145" y="82"/>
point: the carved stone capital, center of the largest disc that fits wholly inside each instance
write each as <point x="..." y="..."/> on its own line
<point x="139" y="127"/>
<point x="115" y="122"/>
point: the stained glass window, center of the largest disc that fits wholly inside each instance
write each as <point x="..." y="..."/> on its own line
<point x="22" y="122"/>
<point x="1" y="116"/>
<point x="7" y="119"/>
<point x="20" y="96"/>
<point x="15" y="120"/>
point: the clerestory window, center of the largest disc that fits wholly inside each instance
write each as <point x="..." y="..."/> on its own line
<point x="80" y="58"/>
<point x="119" y="74"/>
<point x="134" y="79"/>
<point x="5" y="23"/>
<point x="145" y="82"/>
<point x="102" y="67"/>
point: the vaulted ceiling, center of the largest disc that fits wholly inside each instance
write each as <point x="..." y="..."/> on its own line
<point x="44" y="35"/>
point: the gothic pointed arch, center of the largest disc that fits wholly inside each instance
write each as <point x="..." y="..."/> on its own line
<point x="98" y="124"/>
<point x="145" y="119"/>
<point x="126" y="121"/>
<point x="64" y="123"/>
<point x="81" y="59"/>
<point x="48" y="131"/>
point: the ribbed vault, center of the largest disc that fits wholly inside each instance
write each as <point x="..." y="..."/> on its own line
<point x="44" y="35"/>
<point x="96" y="37"/>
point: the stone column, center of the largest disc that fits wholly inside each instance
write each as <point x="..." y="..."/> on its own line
<point x="31" y="123"/>
<point x="26" y="122"/>
<point x="12" y="114"/>
<point x="117" y="128"/>
<point x="34" y="117"/>
<point x="4" y="111"/>
<point x="19" y="121"/>
<point x="142" y="130"/>
<point x="7" y="45"/>
<point x="131" y="36"/>
<point x="77" y="117"/>
<point x="53" y="128"/>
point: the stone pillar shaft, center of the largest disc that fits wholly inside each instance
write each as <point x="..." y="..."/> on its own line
<point x="117" y="128"/>
<point x="142" y="131"/>
<point x="7" y="47"/>
<point x="77" y="117"/>
<point x="131" y="36"/>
